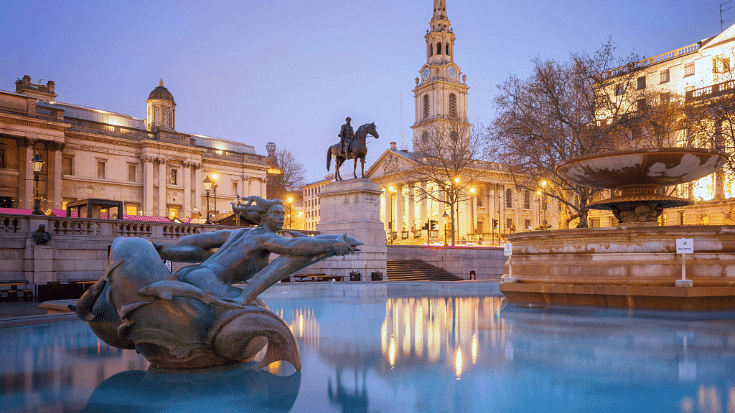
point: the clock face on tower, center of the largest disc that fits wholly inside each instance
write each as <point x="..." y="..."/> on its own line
<point x="452" y="72"/>
<point x="427" y="73"/>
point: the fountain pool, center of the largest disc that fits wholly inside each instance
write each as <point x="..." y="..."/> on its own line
<point x="398" y="352"/>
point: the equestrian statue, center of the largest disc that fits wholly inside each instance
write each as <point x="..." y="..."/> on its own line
<point x="351" y="146"/>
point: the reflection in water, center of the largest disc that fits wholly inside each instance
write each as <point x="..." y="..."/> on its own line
<point x="244" y="387"/>
<point x="435" y="329"/>
<point x="406" y="354"/>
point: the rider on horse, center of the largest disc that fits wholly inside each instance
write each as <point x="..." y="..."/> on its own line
<point x="346" y="135"/>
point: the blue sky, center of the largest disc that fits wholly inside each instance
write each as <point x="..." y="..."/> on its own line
<point x="291" y="71"/>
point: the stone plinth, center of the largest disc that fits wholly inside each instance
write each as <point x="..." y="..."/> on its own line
<point x="352" y="207"/>
<point x="624" y="267"/>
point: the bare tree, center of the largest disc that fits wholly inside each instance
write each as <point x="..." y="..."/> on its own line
<point x="563" y="110"/>
<point x="447" y="158"/>
<point x="290" y="178"/>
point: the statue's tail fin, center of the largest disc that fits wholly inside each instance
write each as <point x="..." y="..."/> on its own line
<point x="329" y="157"/>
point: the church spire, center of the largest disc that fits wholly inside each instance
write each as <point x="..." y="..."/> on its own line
<point x="440" y="10"/>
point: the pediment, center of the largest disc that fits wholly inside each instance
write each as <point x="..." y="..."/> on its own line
<point x="389" y="163"/>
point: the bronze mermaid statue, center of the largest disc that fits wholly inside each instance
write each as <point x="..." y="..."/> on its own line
<point x="196" y="317"/>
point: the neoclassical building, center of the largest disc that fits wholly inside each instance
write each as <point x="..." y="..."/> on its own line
<point x="492" y="206"/>
<point x="692" y="72"/>
<point x="88" y="153"/>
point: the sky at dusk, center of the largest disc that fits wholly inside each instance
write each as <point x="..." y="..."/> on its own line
<point x="291" y="71"/>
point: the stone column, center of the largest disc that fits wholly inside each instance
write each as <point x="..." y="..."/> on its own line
<point x="187" y="189"/>
<point x="25" y="173"/>
<point x="148" y="186"/>
<point x="161" y="211"/>
<point x="262" y="187"/>
<point x="411" y="207"/>
<point x="198" y="186"/>
<point x="384" y="217"/>
<point x="246" y="186"/>
<point x="55" y="173"/>
<point x="424" y="213"/>
<point x="398" y="214"/>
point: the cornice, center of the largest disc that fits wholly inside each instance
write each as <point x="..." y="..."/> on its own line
<point x="38" y="123"/>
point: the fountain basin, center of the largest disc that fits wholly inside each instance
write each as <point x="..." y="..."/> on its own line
<point x="622" y="267"/>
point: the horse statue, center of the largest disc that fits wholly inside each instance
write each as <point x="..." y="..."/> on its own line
<point x="357" y="150"/>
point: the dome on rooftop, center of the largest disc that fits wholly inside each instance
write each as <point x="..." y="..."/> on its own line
<point x="161" y="93"/>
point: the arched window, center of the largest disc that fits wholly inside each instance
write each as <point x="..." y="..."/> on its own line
<point x="508" y="198"/>
<point x="439" y="48"/>
<point x="527" y="199"/>
<point x="447" y="48"/>
<point x="452" y="105"/>
<point x="425" y="137"/>
<point x="453" y="135"/>
<point x="431" y="51"/>
<point x="426" y="106"/>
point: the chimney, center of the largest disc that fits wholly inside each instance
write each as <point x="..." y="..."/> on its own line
<point x="393" y="146"/>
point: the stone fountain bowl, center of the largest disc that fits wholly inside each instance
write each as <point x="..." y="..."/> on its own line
<point x="642" y="167"/>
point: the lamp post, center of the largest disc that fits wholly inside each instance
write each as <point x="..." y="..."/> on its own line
<point x="445" y="216"/>
<point x="543" y="190"/>
<point x="208" y="187"/>
<point x="290" y="201"/>
<point x="37" y="163"/>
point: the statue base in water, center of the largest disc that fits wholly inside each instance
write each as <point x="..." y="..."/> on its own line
<point x="635" y="267"/>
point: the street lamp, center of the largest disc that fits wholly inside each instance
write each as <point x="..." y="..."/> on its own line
<point x="290" y="200"/>
<point x="445" y="216"/>
<point x="37" y="163"/>
<point x="208" y="187"/>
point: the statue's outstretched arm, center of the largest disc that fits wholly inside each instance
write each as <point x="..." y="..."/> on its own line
<point x="193" y="248"/>
<point x="308" y="246"/>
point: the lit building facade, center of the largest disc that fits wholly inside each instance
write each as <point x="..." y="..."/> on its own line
<point x="695" y="71"/>
<point x="147" y="164"/>
<point x="311" y="209"/>
<point x="492" y="205"/>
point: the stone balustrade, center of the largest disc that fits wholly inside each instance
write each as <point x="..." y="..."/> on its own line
<point x="79" y="247"/>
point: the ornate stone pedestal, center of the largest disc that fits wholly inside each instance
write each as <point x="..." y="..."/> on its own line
<point x="352" y="207"/>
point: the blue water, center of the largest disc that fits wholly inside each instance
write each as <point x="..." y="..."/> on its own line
<point x="454" y="354"/>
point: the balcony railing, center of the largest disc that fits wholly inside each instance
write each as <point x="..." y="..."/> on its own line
<point x="651" y="61"/>
<point x="711" y="91"/>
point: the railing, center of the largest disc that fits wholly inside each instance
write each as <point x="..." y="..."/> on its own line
<point x="651" y="61"/>
<point x="711" y="91"/>
<point x="106" y="128"/>
<point x="224" y="154"/>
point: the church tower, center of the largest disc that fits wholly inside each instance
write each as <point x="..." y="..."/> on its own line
<point x="440" y="95"/>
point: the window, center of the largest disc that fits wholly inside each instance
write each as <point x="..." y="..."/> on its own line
<point x="439" y="48"/>
<point x="641" y="82"/>
<point x="689" y="69"/>
<point x="721" y="65"/>
<point x="173" y="175"/>
<point x="663" y="76"/>
<point x="426" y="106"/>
<point x="101" y="169"/>
<point x="620" y="89"/>
<point x="431" y="50"/>
<point x="664" y="98"/>
<point x="447" y="48"/>
<point x="132" y="171"/>
<point x="67" y="165"/>
<point x="452" y="105"/>
<point x="527" y="224"/>
<point x="234" y="188"/>
<point x="2" y="156"/>
<point x="425" y="137"/>
<point x="158" y="116"/>
<point x="453" y="135"/>
<point x="527" y="199"/>
<point x="508" y="198"/>
<point x="641" y="104"/>
<point x="131" y="209"/>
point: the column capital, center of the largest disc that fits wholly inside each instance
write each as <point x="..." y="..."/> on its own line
<point x="26" y="142"/>
<point x="56" y="146"/>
